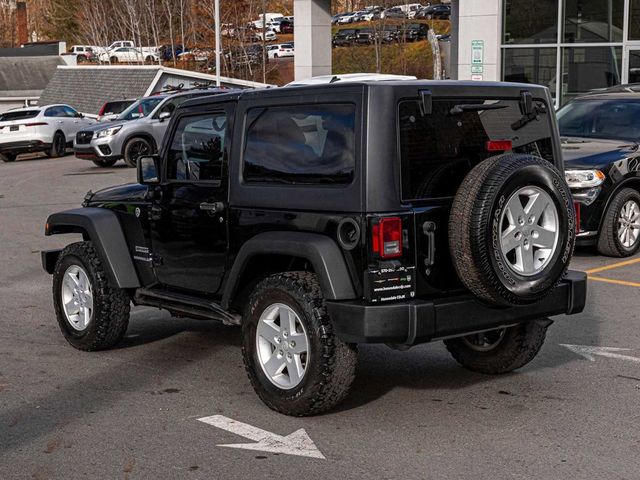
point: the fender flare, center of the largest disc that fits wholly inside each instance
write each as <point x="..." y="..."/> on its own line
<point x="103" y="228"/>
<point x="321" y="251"/>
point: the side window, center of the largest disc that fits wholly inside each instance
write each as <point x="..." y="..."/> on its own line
<point x="303" y="144"/>
<point x="197" y="149"/>
<point x="54" y="112"/>
<point x="172" y="104"/>
<point x="70" y="112"/>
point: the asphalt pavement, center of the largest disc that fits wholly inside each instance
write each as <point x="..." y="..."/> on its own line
<point x="132" y="412"/>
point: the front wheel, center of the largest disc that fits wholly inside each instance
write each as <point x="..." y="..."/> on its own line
<point x="620" y="233"/>
<point x="92" y="314"/>
<point x="500" y="351"/>
<point x="295" y="362"/>
<point x="7" y="157"/>
<point x="136" y="148"/>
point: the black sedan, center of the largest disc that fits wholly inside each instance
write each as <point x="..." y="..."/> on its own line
<point x="600" y="144"/>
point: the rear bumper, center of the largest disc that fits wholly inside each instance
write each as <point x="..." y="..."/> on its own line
<point x="24" y="146"/>
<point x="421" y="321"/>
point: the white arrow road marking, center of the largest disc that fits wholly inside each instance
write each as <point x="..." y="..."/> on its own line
<point x="609" y="352"/>
<point x="297" y="443"/>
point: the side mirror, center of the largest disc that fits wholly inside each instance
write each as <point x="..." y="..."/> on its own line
<point x="148" y="170"/>
<point x="163" y="116"/>
<point x="80" y="115"/>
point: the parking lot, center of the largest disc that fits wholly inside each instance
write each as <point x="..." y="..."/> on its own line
<point x="132" y="412"/>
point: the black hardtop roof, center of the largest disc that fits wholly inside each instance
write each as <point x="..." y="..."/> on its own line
<point x="465" y="87"/>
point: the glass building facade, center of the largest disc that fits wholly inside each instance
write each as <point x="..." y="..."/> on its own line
<point x="571" y="46"/>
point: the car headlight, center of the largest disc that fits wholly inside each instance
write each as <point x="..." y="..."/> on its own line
<point x="108" y="132"/>
<point x="584" y="178"/>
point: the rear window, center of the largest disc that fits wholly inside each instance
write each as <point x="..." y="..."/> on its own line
<point x="21" y="115"/>
<point x="437" y="151"/>
<point x="303" y="144"/>
<point x="112" y="108"/>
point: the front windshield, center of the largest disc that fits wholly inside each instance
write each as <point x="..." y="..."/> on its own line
<point x="615" y="119"/>
<point x="141" y="108"/>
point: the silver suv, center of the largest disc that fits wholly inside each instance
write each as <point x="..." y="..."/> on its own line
<point x="138" y="131"/>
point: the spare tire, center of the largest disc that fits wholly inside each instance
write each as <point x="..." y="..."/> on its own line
<point x="512" y="229"/>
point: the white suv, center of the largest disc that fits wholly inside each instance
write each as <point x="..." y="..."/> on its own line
<point x="49" y="129"/>
<point x="128" y="55"/>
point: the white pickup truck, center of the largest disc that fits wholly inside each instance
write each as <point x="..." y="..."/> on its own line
<point x="125" y="44"/>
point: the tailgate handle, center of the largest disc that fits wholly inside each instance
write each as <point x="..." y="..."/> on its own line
<point x="429" y="229"/>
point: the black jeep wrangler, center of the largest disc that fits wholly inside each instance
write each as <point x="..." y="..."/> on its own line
<point x="320" y="217"/>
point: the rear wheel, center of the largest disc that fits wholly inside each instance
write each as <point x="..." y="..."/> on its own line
<point x="295" y="362"/>
<point x="92" y="314"/>
<point x="512" y="229"/>
<point x="58" y="146"/>
<point x="113" y="60"/>
<point x="500" y="351"/>
<point x="8" y="157"/>
<point x="620" y="233"/>
<point x="136" y="148"/>
<point x="104" y="163"/>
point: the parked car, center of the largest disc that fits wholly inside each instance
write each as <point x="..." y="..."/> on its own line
<point x="393" y="12"/>
<point x="128" y="55"/>
<point x="600" y="137"/>
<point x="386" y="34"/>
<point x="197" y="55"/>
<point x="269" y="36"/>
<point x="48" y="129"/>
<point x="128" y="140"/>
<point x="83" y="53"/>
<point x="280" y="50"/>
<point x="412" y="32"/>
<point x="111" y="109"/>
<point x="166" y="52"/>
<point x="364" y="36"/>
<point x="286" y="27"/>
<point x="345" y="37"/>
<point x="347" y="18"/>
<point x="371" y="14"/>
<point x="435" y="12"/>
<point x="275" y="223"/>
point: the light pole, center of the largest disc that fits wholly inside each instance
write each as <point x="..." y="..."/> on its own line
<point x="218" y="41"/>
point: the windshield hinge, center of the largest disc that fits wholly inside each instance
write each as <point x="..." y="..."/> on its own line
<point x="526" y="102"/>
<point x="426" y="102"/>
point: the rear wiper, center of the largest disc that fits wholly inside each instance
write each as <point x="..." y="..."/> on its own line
<point x="459" y="109"/>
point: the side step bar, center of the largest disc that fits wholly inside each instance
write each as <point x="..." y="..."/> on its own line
<point x="189" y="305"/>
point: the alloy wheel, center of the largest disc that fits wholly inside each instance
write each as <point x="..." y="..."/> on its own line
<point x="529" y="231"/>
<point x="282" y="346"/>
<point x="629" y="224"/>
<point x="77" y="297"/>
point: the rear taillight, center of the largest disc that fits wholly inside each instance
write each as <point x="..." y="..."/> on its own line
<point x="499" y="145"/>
<point x="576" y="207"/>
<point x="35" y="124"/>
<point x="386" y="237"/>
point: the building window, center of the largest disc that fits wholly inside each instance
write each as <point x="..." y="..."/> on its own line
<point x="530" y="21"/>
<point x="530" y="65"/>
<point x="588" y="21"/>
<point x="586" y="68"/>
<point x="634" y="20"/>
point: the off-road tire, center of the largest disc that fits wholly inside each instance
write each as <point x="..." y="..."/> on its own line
<point x="111" y="305"/>
<point x="129" y="150"/>
<point x="104" y="163"/>
<point x="331" y="368"/>
<point x="8" y="157"/>
<point x="608" y="242"/>
<point x="474" y="229"/>
<point x="58" y="146"/>
<point x="520" y="345"/>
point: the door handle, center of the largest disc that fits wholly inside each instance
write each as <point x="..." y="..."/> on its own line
<point x="214" y="207"/>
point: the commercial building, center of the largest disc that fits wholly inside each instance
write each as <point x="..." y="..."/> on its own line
<point x="571" y="46"/>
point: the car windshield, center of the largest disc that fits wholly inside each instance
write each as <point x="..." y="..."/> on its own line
<point x="19" y="115"/>
<point x="615" y="119"/>
<point x="141" y="108"/>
